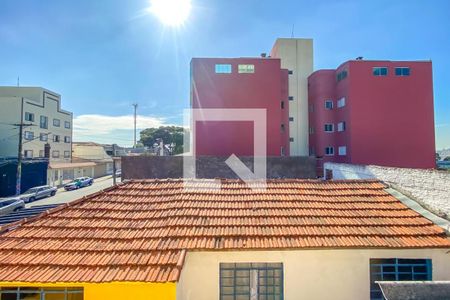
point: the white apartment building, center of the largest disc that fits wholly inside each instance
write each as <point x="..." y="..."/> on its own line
<point x="297" y="56"/>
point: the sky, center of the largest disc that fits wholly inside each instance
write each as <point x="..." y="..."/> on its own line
<point x="101" y="56"/>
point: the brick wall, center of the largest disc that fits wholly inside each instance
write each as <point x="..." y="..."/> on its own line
<point x="431" y="188"/>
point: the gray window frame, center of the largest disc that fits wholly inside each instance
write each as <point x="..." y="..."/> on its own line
<point x="29" y="114"/>
<point x="57" y="122"/>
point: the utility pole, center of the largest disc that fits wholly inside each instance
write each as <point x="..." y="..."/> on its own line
<point x="19" y="157"/>
<point x="135" y="116"/>
<point x="114" y="163"/>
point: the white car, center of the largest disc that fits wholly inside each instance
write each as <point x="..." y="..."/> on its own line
<point x="38" y="192"/>
<point x="10" y="205"/>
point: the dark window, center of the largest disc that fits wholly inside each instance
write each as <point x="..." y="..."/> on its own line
<point x="291" y="98"/>
<point x="291" y="119"/>
<point x="29" y="135"/>
<point x="241" y="280"/>
<point x="67" y="139"/>
<point x="291" y="139"/>
<point x="329" y="151"/>
<point x="282" y="104"/>
<point x="329" y="127"/>
<point x="67" y="124"/>
<point x="402" y="71"/>
<point x="311" y="130"/>
<point x="329" y="104"/>
<point x="397" y="269"/>
<point x="44" y="122"/>
<point x="62" y="293"/>
<point x="56" y="138"/>
<point x="282" y="127"/>
<point x="43" y="137"/>
<point x="28" y="153"/>
<point x="380" y="71"/>
<point x="341" y="75"/>
<point x="290" y="72"/>
<point x="29" y="117"/>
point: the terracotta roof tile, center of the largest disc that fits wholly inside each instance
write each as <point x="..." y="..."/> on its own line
<point x="140" y="231"/>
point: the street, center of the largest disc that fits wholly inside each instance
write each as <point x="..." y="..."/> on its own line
<point x="63" y="196"/>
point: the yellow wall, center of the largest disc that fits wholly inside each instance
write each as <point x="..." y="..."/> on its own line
<point x="308" y="274"/>
<point x="113" y="290"/>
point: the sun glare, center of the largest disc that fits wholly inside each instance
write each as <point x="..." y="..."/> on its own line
<point x="171" y="12"/>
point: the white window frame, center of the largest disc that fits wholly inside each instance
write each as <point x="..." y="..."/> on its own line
<point x="341" y="102"/>
<point x="56" y="138"/>
<point x="341" y="126"/>
<point x="328" y="124"/>
<point x="246" y="68"/>
<point x="379" y="68"/>
<point x="223" y="69"/>
<point x="329" y="101"/>
<point x="332" y="151"/>
<point x="342" y="150"/>
<point x="67" y="139"/>
<point x="28" y="135"/>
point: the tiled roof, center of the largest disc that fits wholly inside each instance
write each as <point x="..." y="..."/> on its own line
<point x="140" y="230"/>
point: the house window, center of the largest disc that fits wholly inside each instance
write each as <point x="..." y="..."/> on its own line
<point x="43" y="137"/>
<point x="41" y="293"/>
<point x="29" y="135"/>
<point x="341" y="75"/>
<point x="55" y="154"/>
<point x="291" y="139"/>
<point x="380" y="71"/>
<point x="329" y="104"/>
<point x="66" y="154"/>
<point x="56" y="138"/>
<point x="329" y="127"/>
<point x="397" y="269"/>
<point x="67" y="124"/>
<point x="282" y="104"/>
<point x="402" y="71"/>
<point x="44" y="122"/>
<point x="251" y="281"/>
<point x="341" y="126"/>
<point x="223" y="68"/>
<point x="329" y="151"/>
<point x="290" y="72"/>
<point x="341" y="102"/>
<point x="291" y="98"/>
<point x="28" y="153"/>
<point x="246" y="68"/>
<point x="67" y="139"/>
<point x="41" y="153"/>
<point x="29" y="117"/>
<point x="342" y="150"/>
<point x="291" y="119"/>
<point x="56" y="122"/>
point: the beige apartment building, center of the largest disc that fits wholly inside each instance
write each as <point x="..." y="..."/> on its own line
<point x="297" y="56"/>
<point x="44" y="123"/>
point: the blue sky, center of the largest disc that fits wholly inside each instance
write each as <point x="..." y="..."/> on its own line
<point x="103" y="55"/>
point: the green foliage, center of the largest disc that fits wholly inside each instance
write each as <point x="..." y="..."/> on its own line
<point x="438" y="157"/>
<point x="169" y="134"/>
<point x="447" y="158"/>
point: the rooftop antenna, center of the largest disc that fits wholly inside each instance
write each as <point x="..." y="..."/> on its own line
<point x="135" y="109"/>
<point x="292" y="33"/>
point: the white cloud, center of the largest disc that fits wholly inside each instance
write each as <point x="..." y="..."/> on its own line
<point x="112" y="129"/>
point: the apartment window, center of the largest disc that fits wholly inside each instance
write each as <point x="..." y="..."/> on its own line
<point x="223" y="68"/>
<point x="282" y="104"/>
<point x="291" y="98"/>
<point x="341" y="75"/>
<point x="380" y="71"/>
<point x="28" y="153"/>
<point x="341" y="126"/>
<point x="29" y="117"/>
<point x="29" y="135"/>
<point x="329" y="104"/>
<point x="44" y="122"/>
<point x="66" y="154"/>
<point x="329" y="127"/>
<point x="329" y="151"/>
<point x="246" y="68"/>
<point x="397" y="269"/>
<point x="282" y="128"/>
<point x="41" y="293"/>
<point x="56" y="122"/>
<point x="67" y="124"/>
<point x="56" y="138"/>
<point x="311" y="130"/>
<point x="290" y="72"/>
<point x="67" y="139"/>
<point x="402" y="71"/>
<point x="341" y="102"/>
<point x="342" y="150"/>
<point x="55" y="154"/>
<point x="291" y="119"/>
<point x="291" y="139"/>
<point x="43" y="137"/>
<point x="251" y="281"/>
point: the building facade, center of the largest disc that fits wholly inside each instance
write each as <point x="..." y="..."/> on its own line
<point x="240" y="83"/>
<point x="297" y="56"/>
<point x="373" y="112"/>
<point x="40" y="109"/>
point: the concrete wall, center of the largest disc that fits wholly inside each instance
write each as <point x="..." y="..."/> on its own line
<point x="429" y="187"/>
<point x="139" y="167"/>
<point x="308" y="274"/>
<point x="297" y="56"/>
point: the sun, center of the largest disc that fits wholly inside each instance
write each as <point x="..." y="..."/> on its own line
<point x="171" y="12"/>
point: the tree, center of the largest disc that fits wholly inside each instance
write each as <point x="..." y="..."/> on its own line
<point x="447" y="158"/>
<point x="438" y="157"/>
<point x="169" y="134"/>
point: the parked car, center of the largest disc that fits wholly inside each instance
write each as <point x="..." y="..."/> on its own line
<point x="78" y="183"/>
<point x="38" y="193"/>
<point x="10" y="205"/>
<point x="119" y="173"/>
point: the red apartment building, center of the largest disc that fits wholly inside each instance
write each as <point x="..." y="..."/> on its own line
<point x="240" y="83"/>
<point x="373" y="112"/>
